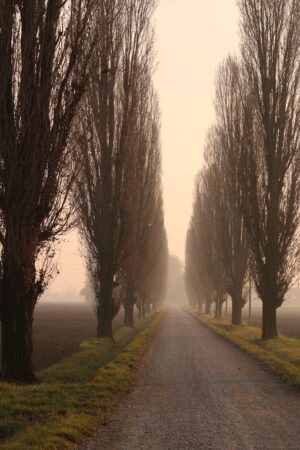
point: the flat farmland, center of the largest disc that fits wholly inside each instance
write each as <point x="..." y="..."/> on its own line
<point x="288" y="320"/>
<point x="288" y="315"/>
<point x="59" y="330"/>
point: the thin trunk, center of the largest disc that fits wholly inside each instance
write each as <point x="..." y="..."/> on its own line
<point x="139" y="307"/>
<point x="207" y="306"/>
<point x="218" y="310"/>
<point x="128" y="314"/>
<point x="250" y="301"/>
<point x="142" y="308"/>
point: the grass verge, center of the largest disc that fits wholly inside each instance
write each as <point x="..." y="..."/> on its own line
<point x="73" y="396"/>
<point x="281" y="354"/>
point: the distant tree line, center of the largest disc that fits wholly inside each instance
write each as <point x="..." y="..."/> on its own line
<point x="245" y="220"/>
<point x="79" y="145"/>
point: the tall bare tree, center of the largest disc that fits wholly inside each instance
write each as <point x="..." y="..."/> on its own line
<point x="223" y="150"/>
<point x="204" y="225"/>
<point x="108" y="138"/>
<point x="45" y="47"/>
<point x="98" y="188"/>
<point x="193" y="280"/>
<point x="270" y="150"/>
<point x="146" y="201"/>
<point x="151" y="276"/>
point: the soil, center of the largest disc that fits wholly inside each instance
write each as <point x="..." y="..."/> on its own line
<point x="59" y="329"/>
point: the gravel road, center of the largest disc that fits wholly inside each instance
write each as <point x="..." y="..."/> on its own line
<point x="197" y="391"/>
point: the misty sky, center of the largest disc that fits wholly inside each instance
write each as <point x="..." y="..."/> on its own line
<point x="193" y="37"/>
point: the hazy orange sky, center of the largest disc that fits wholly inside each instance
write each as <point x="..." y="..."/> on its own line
<point x="193" y="37"/>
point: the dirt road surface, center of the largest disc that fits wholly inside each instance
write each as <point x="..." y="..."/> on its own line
<point x="197" y="391"/>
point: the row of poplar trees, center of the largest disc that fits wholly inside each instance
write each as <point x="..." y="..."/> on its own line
<point x="245" y="219"/>
<point x="79" y="146"/>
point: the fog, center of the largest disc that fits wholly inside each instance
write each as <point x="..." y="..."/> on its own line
<point x="175" y="294"/>
<point x="185" y="37"/>
<point x="150" y="189"/>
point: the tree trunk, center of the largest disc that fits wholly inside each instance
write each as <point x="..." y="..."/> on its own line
<point x="142" y="309"/>
<point x="17" y="347"/>
<point x="236" y="318"/>
<point x="104" y="321"/>
<point x="128" y="316"/>
<point x="105" y="308"/>
<point x="218" y="310"/>
<point x="129" y="302"/>
<point x="139" y="307"/>
<point x="269" y="320"/>
<point x="19" y="297"/>
<point x="207" y="306"/>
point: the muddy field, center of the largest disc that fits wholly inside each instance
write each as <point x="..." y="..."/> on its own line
<point x="60" y="328"/>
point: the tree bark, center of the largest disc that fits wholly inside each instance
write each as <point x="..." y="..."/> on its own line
<point x="17" y="346"/>
<point x="129" y="302"/>
<point x="139" y="307"/>
<point x="236" y="317"/>
<point x="207" y="306"/>
<point x="269" y="319"/>
<point x="129" y="317"/>
<point x="142" y="308"/>
<point x="218" y="310"/>
<point x="105" y="309"/>
<point x="19" y="296"/>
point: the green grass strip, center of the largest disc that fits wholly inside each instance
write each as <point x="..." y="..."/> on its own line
<point x="82" y="366"/>
<point x="281" y="354"/>
<point x="73" y="396"/>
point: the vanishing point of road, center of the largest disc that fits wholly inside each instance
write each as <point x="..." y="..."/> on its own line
<point x="197" y="391"/>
